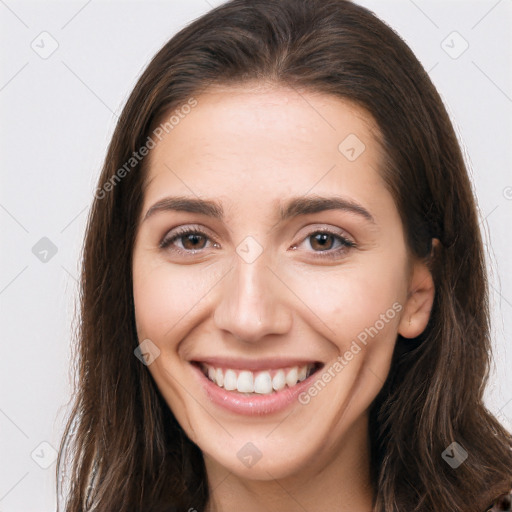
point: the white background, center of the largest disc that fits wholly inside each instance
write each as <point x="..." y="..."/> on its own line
<point x="57" y="116"/>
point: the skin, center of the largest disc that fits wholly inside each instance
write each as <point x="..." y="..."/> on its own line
<point x="250" y="148"/>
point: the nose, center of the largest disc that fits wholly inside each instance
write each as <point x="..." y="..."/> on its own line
<point x="251" y="304"/>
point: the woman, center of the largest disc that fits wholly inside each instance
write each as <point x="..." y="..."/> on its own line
<point x="284" y="296"/>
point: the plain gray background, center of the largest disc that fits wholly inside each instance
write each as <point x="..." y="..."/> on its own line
<point x="58" y="112"/>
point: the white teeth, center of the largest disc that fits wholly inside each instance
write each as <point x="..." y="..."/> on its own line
<point x="230" y="380"/>
<point x="292" y="377"/>
<point x="245" y="383"/>
<point x="279" y="381"/>
<point x="219" y="377"/>
<point x="263" y="383"/>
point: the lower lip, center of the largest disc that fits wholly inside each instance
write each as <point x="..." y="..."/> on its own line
<point x="254" y="404"/>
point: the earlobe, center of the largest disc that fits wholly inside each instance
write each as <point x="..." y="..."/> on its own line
<point x="419" y="302"/>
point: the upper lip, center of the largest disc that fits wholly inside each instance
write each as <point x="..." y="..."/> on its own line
<point x="254" y="364"/>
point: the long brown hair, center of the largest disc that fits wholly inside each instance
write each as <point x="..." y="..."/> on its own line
<point x="125" y="448"/>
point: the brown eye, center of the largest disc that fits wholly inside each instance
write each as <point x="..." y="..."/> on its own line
<point x="193" y="241"/>
<point x="326" y="244"/>
<point x="322" y="241"/>
<point x="186" y="240"/>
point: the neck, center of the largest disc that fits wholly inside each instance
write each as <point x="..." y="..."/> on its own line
<point x="337" y="481"/>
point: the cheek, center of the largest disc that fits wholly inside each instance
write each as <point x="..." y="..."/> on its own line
<point x="354" y="302"/>
<point x="166" y="296"/>
<point x="357" y="309"/>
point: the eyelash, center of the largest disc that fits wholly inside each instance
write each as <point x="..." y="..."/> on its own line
<point x="329" y="253"/>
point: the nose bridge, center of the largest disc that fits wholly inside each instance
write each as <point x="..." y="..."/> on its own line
<point x="250" y="306"/>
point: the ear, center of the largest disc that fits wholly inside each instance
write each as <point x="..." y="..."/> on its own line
<point x="420" y="299"/>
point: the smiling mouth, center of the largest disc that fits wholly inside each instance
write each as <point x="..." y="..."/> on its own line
<point x="262" y="382"/>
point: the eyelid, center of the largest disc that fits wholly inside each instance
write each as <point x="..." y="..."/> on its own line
<point x="322" y="228"/>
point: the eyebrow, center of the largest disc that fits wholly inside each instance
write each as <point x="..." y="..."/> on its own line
<point x="302" y="205"/>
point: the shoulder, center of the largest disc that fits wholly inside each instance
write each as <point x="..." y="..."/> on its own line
<point x="502" y="503"/>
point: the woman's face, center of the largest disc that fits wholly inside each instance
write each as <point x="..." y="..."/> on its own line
<point x="282" y="270"/>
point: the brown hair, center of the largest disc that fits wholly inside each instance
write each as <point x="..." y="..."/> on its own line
<point x="128" y="453"/>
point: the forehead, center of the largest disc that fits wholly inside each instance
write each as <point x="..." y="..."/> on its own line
<point x="266" y="111"/>
<point x="253" y="141"/>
